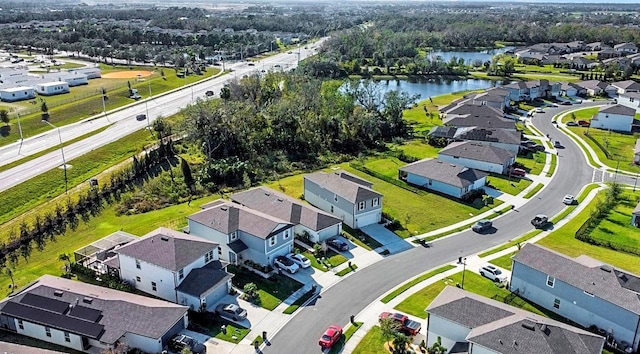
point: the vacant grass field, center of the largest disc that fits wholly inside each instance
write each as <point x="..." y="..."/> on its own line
<point x="511" y="185"/>
<point x="418" y="302"/>
<point x="616" y="227"/>
<point x="504" y="261"/>
<point x="417" y="148"/>
<point x="562" y="240"/>
<point x="533" y="163"/>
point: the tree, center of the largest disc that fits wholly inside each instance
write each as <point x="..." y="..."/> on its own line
<point x="389" y="328"/>
<point x="437" y="347"/>
<point x="9" y="273"/>
<point x="186" y="173"/>
<point x="400" y="342"/>
<point x="63" y="257"/>
<point x="4" y="116"/>
<point x="45" y="110"/>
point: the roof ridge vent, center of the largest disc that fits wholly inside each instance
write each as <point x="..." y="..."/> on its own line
<point x="87" y="300"/>
<point x="58" y="293"/>
<point x="528" y="325"/>
<point x="164" y="238"/>
<point x="224" y="208"/>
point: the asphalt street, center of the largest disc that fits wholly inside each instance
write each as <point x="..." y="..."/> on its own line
<point x="123" y="122"/>
<point x="356" y="292"/>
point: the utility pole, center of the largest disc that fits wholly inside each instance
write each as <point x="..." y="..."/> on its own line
<point x="20" y="129"/>
<point x="104" y="106"/>
<point x="64" y="162"/>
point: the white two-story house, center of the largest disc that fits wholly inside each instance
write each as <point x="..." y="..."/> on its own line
<point x="242" y="233"/>
<point x="344" y="195"/>
<point x="176" y="267"/>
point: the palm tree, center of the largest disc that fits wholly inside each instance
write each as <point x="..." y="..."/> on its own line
<point x="389" y="328"/>
<point x="67" y="262"/>
<point x="9" y="272"/>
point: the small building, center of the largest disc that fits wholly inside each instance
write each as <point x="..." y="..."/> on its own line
<point x="455" y="180"/>
<point x="478" y="156"/>
<point x="616" y="117"/>
<point x="506" y="139"/>
<point x="318" y="224"/>
<point x="626" y="86"/>
<point x="469" y="115"/>
<point x="20" y="93"/>
<point x="344" y="195"/>
<point x="91" y="73"/>
<point x="570" y="89"/>
<point x="52" y="88"/>
<point x="626" y="48"/>
<point x="469" y="323"/>
<point x="91" y="318"/>
<point x="583" y="290"/>
<point x="11" y="74"/>
<point x="630" y="99"/>
<point x="242" y="233"/>
<point x="71" y="78"/>
<point x="176" y="267"/>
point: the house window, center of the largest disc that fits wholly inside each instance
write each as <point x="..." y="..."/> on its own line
<point x="138" y="279"/>
<point x="287" y="233"/>
<point x="154" y="286"/>
<point x="272" y="241"/>
<point x="361" y="205"/>
<point x="208" y="257"/>
<point x="556" y="303"/>
<point x="138" y="264"/>
<point x="181" y="273"/>
<point x="332" y="208"/>
<point x="375" y="202"/>
<point x="551" y="281"/>
<point x="67" y="337"/>
<point x="20" y="324"/>
<point x="47" y="331"/>
<point x="219" y="251"/>
<point x="234" y="235"/>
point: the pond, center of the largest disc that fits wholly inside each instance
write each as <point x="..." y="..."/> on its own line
<point x="435" y="87"/>
<point x="469" y="57"/>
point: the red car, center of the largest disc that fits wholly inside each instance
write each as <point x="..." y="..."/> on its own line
<point x="584" y="123"/>
<point x="518" y="172"/>
<point x="330" y="337"/>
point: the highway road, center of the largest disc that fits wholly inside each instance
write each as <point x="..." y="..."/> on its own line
<point x="354" y="293"/>
<point x="122" y="123"/>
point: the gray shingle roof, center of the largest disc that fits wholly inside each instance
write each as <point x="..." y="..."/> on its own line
<point x="631" y="94"/>
<point x="201" y="280"/>
<point x="455" y="175"/>
<point x="509" y="330"/>
<point x="506" y="136"/>
<point x="282" y="206"/>
<point x="227" y="217"/>
<point x="168" y="249"/>
<point x="344" y="185"/>
<point x="602" y="283"/>
<point x="627" y="85"/>
<point x="121" y="312"/>
<point x="478" y="152"/>
<point x="477" y="116"/>
<point x="443" y="132"/>
<point x="618" y="109"/>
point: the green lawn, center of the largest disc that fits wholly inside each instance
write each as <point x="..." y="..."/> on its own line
<point x="387" y="166"/>
<point x="523" y="128"/>
<point x="493" y="215"/>
<point x="504" y="261"/>
<point x="417" y="148"/>
<point x="335" y="259"/>
<point x="418" y="302"/>
<point x="554" y="164"/>
<point x="562" y="240"/>
<point x="406" y="286"/>
<point x="371" y="343"/>
<point x="616" y="228"/>
<point x="360" y="238"/>
<point x="533" y="163"/>
<point x="533" y="191"/>
<point x="422" y="120"/>
<point x="296" y="304"/>
<point x="511" y="185"/>
<point x="272" y="291"/>
<point x="347" y="270"/>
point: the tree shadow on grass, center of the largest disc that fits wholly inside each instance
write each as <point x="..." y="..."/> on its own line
<point x="5" y="130"/>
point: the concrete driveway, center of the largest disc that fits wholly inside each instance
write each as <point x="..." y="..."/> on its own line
<point x="392" y="242"/>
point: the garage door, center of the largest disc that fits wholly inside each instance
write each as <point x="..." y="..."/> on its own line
<point x="367" y="219"/>
<point x="217" y="295"/>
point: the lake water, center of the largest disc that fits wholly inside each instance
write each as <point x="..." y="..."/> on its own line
<point x="435" y="87"/>
<point x="469" y="57"/>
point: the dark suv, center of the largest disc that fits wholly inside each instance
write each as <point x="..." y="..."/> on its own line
<point x="181" y="341"/>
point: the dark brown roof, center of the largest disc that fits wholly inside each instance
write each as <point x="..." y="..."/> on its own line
<point x="227" y="217"/>
<point x="283" y="207"/>
<point x="168" y="249"/>
<point x="452" y="174"/>
<point x="478" y="152"/>
<point x="344" y="185"/>
<point x="506" y="136"/>
<point x="201" y="280"/>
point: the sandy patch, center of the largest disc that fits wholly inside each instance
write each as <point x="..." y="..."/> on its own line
<point x="132" y="74"/>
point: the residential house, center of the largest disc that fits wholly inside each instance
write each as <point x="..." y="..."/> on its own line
<point x="595" y="46"/>
<point x="596" y="87"/>
<point x="636" y="153"/>
<point x="518" y="91"/>
<point x="317" y="224"/>
<point x="496" y="98"/>
<point x="583" y="63"/>
<point x="621" y="62"/>
<point x="634" y="59"/>
<point x="582" y="289"/>
<point x="19" y="93"/>
<point x="607" y="53"/>
<point x="344" y="195"/>
<point x="174" y="266"/>
<point x="630" y="99"/>
<point x="455" y="180"/>
<point x="469" y="323"/>
<point x="626" y="86"/>
<point x="242" y="233"/>
<point x="614" y="117"/>
<point x="477" y="116"/>
<point x="626" y="48"/>
<point x="52" y="88"/>
<point x="478" y="156"/>
<point x="570" y="89"/>
<point x="90" y="318"/>
<point x="444" y="132"/>
<point x="506" y="139"/>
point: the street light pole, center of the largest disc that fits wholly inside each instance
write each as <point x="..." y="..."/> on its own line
<point x="104" y="106"/>
<point x="20" y="129"/>
<point x="64" y="162"/>
<point x="464" y="268"/>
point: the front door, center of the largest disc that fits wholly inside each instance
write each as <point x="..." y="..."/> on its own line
<point x="232" y="257"/>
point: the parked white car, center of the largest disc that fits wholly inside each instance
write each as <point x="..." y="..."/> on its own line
<point x="493" y="273"/>
<point x="285" y="263"/>
<point x="300" y="260"/>
<point x="568" y="199"/>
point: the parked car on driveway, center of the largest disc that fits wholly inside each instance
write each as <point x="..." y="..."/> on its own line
<point x="493" y="273"/>
<point x="518" y="172"/>
<point x="584" y="123"/>
<point x="181" y="341"/>
<point x="572" y="124"/>
<point x="482" y="226"/>
<point x="299" y="259"/>
<point x="231" y="312"/>
<point x="285" y="263"/>
<point x="406" y="325"/>
<point x="338" y="244"/>
<point x="565" y="103"/>
<point x="330" y="337"/>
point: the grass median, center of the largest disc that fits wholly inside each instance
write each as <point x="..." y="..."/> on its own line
<point x="552" y="167"/>
<point x="533" y="191"/>
<point x="406" y="286"/>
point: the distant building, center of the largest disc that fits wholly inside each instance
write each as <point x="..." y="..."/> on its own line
<point x="19" y="93"/>
<point x="52" y="88"/>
